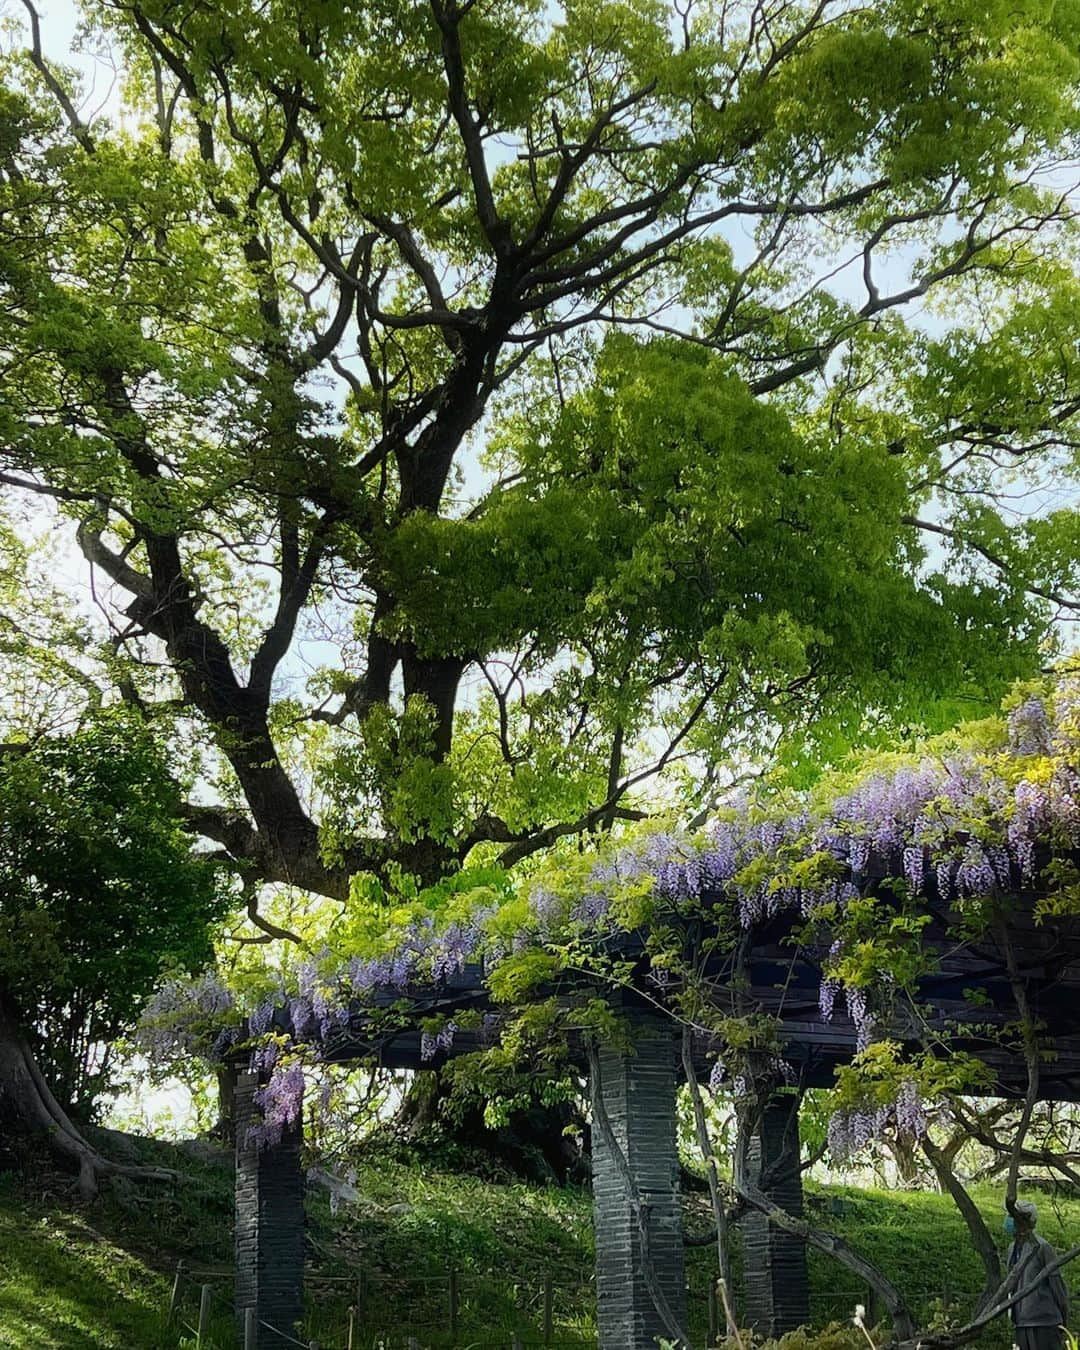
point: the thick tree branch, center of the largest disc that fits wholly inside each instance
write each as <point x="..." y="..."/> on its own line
<point x="296" y="585"/>
<point x="76" y="125"/>
<point x="1010" y="1293"/>
<point x="448" y="16"/>
<point x="995" y="559"/>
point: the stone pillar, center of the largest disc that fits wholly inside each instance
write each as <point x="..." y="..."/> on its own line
<point x="269" y="1224"/>
<point x="638" y="1091"/>
<point x="775" y="1280"/>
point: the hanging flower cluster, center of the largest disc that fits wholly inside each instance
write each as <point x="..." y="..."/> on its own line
<point x="957" y="824"/>
<point x="431" y="1042"/>
<point x="280" y="1103"/>
<point x="185" y="1017"/>
<point x="851" y="1129"/>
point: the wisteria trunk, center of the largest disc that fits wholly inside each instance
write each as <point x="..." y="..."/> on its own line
<point x="539" y="1143"/>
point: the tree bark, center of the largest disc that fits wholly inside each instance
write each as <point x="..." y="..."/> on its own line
<point x="906" y="1159"/>
<point x="718" y="1200"/>
<point x="981" y="1238"/>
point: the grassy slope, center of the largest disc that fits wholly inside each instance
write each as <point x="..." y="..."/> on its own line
<point x="74" y="1279"/>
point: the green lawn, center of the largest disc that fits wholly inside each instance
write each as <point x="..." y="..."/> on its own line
<point x="920" y="1240"/>
<point x="99" y="1279"/>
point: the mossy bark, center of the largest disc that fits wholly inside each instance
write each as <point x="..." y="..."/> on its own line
<point x="540" y="1142"/>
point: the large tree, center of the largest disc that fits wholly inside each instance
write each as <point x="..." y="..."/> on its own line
<point x="470" y="410"/>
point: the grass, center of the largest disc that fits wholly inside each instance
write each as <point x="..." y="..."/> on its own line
<point x="98" y="1278"/>
<point x="73" y="1278"/>
<point x="920" y="1240"/>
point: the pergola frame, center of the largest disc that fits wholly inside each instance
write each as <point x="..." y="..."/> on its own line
<point x="639" y="1249"/>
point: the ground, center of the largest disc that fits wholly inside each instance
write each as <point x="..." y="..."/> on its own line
<point x="99" y="1278"/>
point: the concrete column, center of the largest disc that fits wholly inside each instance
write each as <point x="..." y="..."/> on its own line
<point x="638" y="1091"/>
<point x="775" y="1280"/>
<point x="269" y="1224"/>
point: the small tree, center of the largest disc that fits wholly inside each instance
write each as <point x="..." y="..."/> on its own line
<point x="99" y="888"/>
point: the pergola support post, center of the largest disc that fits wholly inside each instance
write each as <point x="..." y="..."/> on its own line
<point x="269" y="1225"/>
<point x="638" y="1093"/>
<point x="775" y="1280"/>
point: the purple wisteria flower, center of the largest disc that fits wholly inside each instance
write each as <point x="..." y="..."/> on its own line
<point x="859" y="853"/>
<point x="264" y="1057"/>
<point x="223" y="1042"/>
<point x="975" y="874"/>
<point x="915" y="867"/>
<point x="548" y="909"/>
<point x="186" y="1017"/>
<point x="262" y="1016"/>
<point x="851" y="1129"/>
<point x="453" y="949"/>
<point x="841" y="1145"/>
<point x="910" y="1112"/>
<point x="719" y="860"/>
<point x="431" y="1042"/>
<point x="860" y="1015"/>
<point x="591" y="908"/>
<point x="280" y="1103"/>
<point x="210" y="994"/>
<point x="301" y="1016"/>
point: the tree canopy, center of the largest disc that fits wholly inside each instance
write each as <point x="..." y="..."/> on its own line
<point x="471" y="411"/>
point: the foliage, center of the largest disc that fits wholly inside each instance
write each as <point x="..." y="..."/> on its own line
<point x="52" y="670"/>
<point x="382" y="353"/>
<point x="99" y="889"/>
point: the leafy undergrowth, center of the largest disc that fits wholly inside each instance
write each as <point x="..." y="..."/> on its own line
<point x="99" y="1278"/>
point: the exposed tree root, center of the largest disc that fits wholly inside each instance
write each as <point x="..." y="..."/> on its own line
<point x="29" y="1109"/>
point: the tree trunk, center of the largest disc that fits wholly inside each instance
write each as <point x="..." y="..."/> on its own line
<point x="533" y="1143"/>
<point x="906" y="1160"/>
<point x="981" y="1238"/>
<point x="225" y="1128"/>
<point x="30" y="1114"/>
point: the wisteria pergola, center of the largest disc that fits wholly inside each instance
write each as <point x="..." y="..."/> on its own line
<point x="635" y="1163"/>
